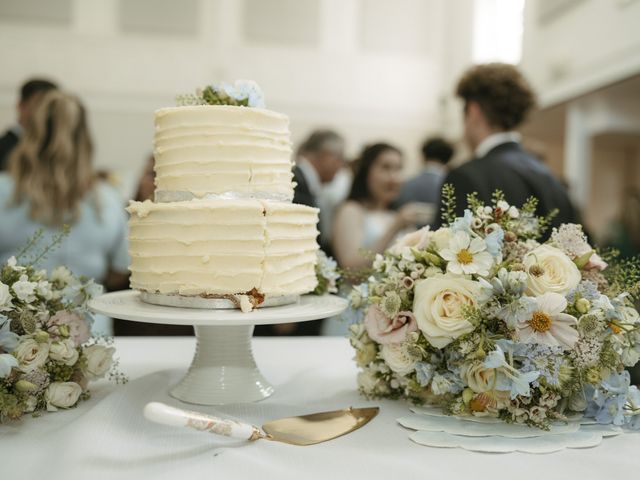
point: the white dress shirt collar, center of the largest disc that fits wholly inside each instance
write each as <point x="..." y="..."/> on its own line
<point x="495" y="139"/>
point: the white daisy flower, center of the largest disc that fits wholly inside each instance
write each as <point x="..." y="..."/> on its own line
<point x="467" y="256"/>
<point x="547" y="324"/>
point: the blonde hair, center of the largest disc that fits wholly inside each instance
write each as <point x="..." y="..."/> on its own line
<point x="51" y="166"/>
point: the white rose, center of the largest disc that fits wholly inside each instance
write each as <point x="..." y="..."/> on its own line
<point x="418" y="240"/>
<point x="398" y="358"/>
<point x="630" y="356"/>
<point x="62" y="395"/>
<point x="62" y="275"/>
<point x="368" y="381"/>
<point x="479" y="378"/>
<point x="441" y="238"/>
<point x="30" y="404"/>
<point x="438" y="307"/>
<point x="13" y="263"/>
<point x="44" y="290"/>
<point x="5" y="298"/>
<point x="31" y="354"/>
<point x="64" y="351"/>
<point x="24" y="289"/>
<point x="99" y="360"/>
<point x="629" y="316"/>
<point x="549" y="269"/>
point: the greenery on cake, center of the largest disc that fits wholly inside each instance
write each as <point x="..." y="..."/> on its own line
<point x="243" y="93"/>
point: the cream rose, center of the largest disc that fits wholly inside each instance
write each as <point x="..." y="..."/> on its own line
<point x="99" y="360"/>
<point x="418" y="240"/>
<point x="31" y="354"/>
<point x="438" y="307"/>
<point x="479" y="378"/>
<point x="398" y="357"/>
<point x="62" y="395"/>
<point x="64" y="351"/>
<point x="441" y="238"/>
<point x="5" y="298"/>
<point x="549" y="269"/>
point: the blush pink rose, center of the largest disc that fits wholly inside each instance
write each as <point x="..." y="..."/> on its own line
<point x="596" y="263"/>
<point x="385" y="330"/>
<point x="78" y="327"/>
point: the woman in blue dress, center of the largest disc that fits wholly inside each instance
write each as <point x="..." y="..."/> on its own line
<point x="51" y="183"/>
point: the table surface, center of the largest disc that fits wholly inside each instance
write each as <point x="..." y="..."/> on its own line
<point x="107" y="436"/>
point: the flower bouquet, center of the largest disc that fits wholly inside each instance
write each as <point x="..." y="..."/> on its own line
<point x="47" y="356"/>
<point x="481" y="318"/>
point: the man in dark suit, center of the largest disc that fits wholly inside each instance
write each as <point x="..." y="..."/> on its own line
<point x="497" y="99"/>
<point x="320" y="158"/>
<point x="30" y="94"/>
<point x="425" y="187"/>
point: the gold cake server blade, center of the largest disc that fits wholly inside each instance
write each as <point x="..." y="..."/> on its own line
<point x="301" y="430"/>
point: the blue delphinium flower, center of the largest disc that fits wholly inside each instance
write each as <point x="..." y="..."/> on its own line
<point x="8" y="339"/>
<point x="7" y="362"/>
<point x="509" y="378"/>
<point x="424" y="373"/>
<point x="463" y="224"/>
<point x="494" y="241"/>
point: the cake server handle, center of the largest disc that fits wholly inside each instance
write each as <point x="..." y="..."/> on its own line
<point x="176" y="417"/>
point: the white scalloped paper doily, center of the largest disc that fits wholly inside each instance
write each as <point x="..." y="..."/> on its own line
<point x="484" y="434"/>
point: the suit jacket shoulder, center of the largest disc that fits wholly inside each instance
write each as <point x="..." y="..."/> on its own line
<point x="301" y="193"/>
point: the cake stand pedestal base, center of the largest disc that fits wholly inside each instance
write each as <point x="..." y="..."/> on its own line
<point x="223" y="369"/>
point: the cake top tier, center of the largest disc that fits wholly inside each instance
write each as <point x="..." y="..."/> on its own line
<point x="222" y="150"/>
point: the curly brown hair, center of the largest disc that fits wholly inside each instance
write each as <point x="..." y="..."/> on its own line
<point x="503" y="94"/>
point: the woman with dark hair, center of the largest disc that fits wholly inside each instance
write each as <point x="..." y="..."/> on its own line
<point x="366" y="222"/>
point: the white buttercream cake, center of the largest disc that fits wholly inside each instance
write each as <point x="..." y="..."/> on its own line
<point x="223" y="225"/>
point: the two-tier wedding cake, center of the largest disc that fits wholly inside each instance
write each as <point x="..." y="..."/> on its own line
<point x="222" y="227"/>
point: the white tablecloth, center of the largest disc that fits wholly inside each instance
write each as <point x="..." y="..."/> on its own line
<point x="107" y="437"/>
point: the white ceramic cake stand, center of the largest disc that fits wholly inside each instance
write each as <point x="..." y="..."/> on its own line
<point x="223" y="369"/>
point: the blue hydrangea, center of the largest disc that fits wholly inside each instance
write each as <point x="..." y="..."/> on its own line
<point x="607" y="403"/>
<point x="424" y="373"/>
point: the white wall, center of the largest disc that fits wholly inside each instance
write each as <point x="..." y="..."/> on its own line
<point x="572" y="47"/>
<point x="373" y="69"/>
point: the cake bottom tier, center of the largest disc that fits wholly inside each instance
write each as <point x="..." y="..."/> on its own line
<point x="216" y="247"/>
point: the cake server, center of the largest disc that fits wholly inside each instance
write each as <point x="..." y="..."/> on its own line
<point x="302" y="430"/>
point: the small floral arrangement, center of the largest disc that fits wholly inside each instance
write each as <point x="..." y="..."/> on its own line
<point x="47" y="355"/>
<point x="327" y="275"/>
<point x="244" y="93"/>
<point x="482" y="319"/>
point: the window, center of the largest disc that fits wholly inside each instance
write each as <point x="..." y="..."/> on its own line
<point x="497" y="31"/>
